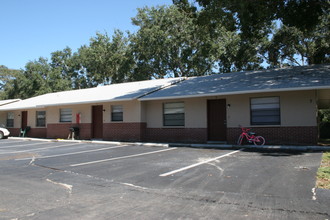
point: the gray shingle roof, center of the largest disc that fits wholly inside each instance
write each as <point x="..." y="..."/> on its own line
<point x="286" y="79"/>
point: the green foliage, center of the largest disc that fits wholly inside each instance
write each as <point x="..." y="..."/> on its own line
<point x="167" y="44"/>
<point x="188" y="38"/>
<point x="289" y="32"/>
<point x="106" y="60"/>
<point x="6" y="77"/>
<point x="170" y="42"/>
<point x="324" y="126"/>
<point x="323" y="173"/>
<point x="40" y="77"/>
<point x="324" y="115"/>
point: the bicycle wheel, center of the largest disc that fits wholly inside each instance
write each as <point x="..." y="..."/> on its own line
<point x="259" y="140"/>
<point x="240" y="139"/>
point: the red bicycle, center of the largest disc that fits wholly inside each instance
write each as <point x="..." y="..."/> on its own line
<point x="250" y="137"/>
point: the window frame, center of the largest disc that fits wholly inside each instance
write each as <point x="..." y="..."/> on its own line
<point x="117" y="113"/>
<point x="43" y="119"/>
<point x="177" y="116"/>
<point x="273" y="110"/>
<point x="65" y="117"/>
<point x="10" y="119"/>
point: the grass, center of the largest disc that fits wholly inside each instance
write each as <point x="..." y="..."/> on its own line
<point x="323" y="174"/>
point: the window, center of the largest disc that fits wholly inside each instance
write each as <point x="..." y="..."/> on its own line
<point x="10" y="119"/>
<point x="116" y="113"/>
<point x="173" y="114"/>
<point x="265" y="111"/>
<point x="65" y="115"/>
<point x="41" y="118"/>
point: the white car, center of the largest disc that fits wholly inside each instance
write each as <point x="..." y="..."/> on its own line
<point x="4" y="133"/>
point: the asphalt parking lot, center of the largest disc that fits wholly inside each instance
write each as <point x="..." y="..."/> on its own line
<point x="81" y="180"/>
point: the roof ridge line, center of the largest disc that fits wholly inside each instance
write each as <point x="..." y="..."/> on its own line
<point x="181" y="79"/>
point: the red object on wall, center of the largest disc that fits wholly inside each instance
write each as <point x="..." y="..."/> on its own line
<point x="78" y="116"/>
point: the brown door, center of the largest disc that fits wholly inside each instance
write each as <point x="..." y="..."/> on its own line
<point x="24" y="119"/>
<point x="216" y="120"/>
<point x="97" y="121"/>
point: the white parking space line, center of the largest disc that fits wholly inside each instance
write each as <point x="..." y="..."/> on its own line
<point x="123" y="157"/>
<point x="39" y="149"/>
<point x="198" y="164"/>
<point x="22" y="145"/>
<point x="73" y="153"/>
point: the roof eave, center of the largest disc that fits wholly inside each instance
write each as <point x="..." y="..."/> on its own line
<point x="17" y="108"/>
<point x="85" y="102"/>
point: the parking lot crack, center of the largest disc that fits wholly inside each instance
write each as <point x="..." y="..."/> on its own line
<point x="51" y="168"/>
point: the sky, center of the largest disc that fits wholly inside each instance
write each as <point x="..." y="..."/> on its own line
<point x="30" y="29"/>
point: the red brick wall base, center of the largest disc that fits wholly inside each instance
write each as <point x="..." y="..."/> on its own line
<point x="140" y="132"/>
<point x="63" y="130"/>
<point x="280" y="135"/>
<point x="37" y="132"/>
<point x="33" y="132"/>
<point x="124" y="131"/>
<point x="14" y="131"/>
<point x="188" y="135"/>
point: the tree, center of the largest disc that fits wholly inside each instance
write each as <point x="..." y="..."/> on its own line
<point x="66" y="72"/>
<point x="106" y="60"/>
<point x="6" y="77"/>
<point x="169" y="43"/>
<point x="294" y="32"/>
<point x="300" y="44"/>
<point x="38" y="77"/>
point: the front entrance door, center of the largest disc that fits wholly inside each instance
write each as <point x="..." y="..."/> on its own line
<point x="24" y="119"/>
<point x="97" y="121"/>
<point x="217" y="120"/>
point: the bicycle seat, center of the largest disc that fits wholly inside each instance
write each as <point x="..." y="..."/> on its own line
<point x="252" y="133"/>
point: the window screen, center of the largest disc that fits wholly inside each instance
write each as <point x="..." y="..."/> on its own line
<point x="10" y="119"/>
<point x="41" y="118"/>
<point x="116" y="113"/>
<point x="66" y="115"/>
<point x="174" y="114"/>
<point x="265" y="111"/>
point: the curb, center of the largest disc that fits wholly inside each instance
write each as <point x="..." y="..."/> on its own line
<point x="203" y="146"/>
<point x="92" y="141"/>
<point x="252" y="147"/>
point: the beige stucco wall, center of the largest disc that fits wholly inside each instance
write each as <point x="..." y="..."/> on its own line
<point x="297" y="109"/>
<point x="32" y="120"/>
<point x="3" y="118"/>
<point x="323" y="94"/>
<point x="195" y="112"/>
<point x="324" y="98"/>
<point x="131" y="111"/>
<point x="53" y="113"/>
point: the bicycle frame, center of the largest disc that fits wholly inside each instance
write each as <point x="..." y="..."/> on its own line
<point x="250" y="137"/>
<point x="245" y="133"/>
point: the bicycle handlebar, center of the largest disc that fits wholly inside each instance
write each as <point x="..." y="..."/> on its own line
<point x="245" y="129"/>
